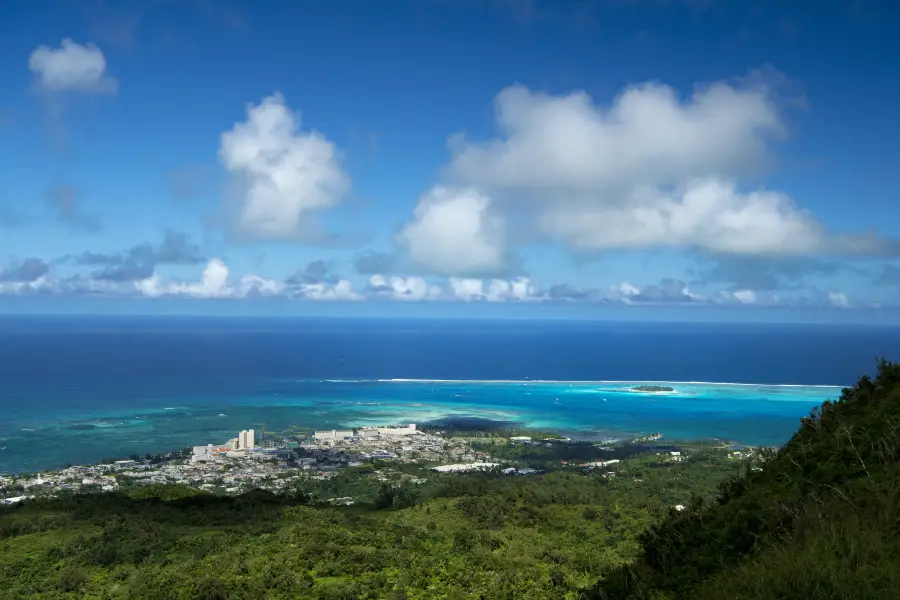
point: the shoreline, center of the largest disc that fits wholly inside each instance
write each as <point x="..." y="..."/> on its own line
<point x="580" y="410"/>
<point x="566" y="436"/>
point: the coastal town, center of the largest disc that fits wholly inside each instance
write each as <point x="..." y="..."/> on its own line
<point x="274" y="463"/>
<point x="280" y="464"/>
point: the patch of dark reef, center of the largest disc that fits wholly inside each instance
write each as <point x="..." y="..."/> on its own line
<point x="467" y="423"/>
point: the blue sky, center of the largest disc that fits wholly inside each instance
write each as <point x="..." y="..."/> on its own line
<point x="364" y="158"/>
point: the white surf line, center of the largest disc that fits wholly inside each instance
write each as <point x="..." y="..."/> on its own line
<point x="614" y="381"/>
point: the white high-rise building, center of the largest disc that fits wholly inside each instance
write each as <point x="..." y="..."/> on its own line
<point x="246" y="439"/>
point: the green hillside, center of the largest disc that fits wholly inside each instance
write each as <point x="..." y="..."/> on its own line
<point x="478" y="535"/>
<point x="820" y="519"/>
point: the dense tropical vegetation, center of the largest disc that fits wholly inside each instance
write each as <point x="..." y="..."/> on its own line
<point x="413" y="533"/>
<point x="819" y="518"/>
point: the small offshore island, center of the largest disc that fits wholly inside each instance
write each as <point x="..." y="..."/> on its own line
<point x="653" y="389"/>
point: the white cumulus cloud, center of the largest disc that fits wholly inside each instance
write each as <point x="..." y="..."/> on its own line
<point x="250" y="285"/>
<point x="402" y="288"/>
<point x="494" y="290"/>
<point x="454" y="233"/>
<point x="649" y="136"/>
<point x="71" y="67"/>
<point x="625" y="290"/>
<point x="338" y="290"/>
<point x="665" y="292"/>
<point x="281" y="174"/>
<point x="213" y="283"/>
<point x="710" y="214"/>
<point x="838" y="299"/>
<point x="744" y="296"/>
<point x="39" y="285"/>
<point x="650" y="169"/>
<point x="216" y="281"/>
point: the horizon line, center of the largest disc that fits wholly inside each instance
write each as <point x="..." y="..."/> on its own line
<point x="607" y="318"/>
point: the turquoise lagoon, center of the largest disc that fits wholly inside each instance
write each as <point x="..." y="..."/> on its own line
<point x="90" y="426"/>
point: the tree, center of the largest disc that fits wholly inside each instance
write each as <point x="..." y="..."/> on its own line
<point x="212" y="589"/>
<point x="71" y="579"/>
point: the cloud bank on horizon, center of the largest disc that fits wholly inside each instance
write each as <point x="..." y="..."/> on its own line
<point x="560" y="177"/>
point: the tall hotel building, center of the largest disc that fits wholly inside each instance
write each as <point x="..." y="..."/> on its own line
<point x="246" y="439"/>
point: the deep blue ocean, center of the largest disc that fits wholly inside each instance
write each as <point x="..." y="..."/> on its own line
<point x="75" y="390"/>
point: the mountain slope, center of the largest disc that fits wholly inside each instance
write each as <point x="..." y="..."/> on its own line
<point x="819" y="519"/>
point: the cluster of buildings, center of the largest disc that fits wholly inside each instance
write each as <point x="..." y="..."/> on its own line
<point x="7" y="482"/>
<point x="405" y="443"/>
<point x="365" y="433"/>
<point x="71" y="479"/>
<point x="244" y="463"/>
<point x="402" y="443"/>
<point x="244" y="442"/>
<point x="279" y="464"/>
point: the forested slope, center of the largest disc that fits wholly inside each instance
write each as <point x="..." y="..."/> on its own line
<point x="478" y="535"/>
<point x="820" y="519"/>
